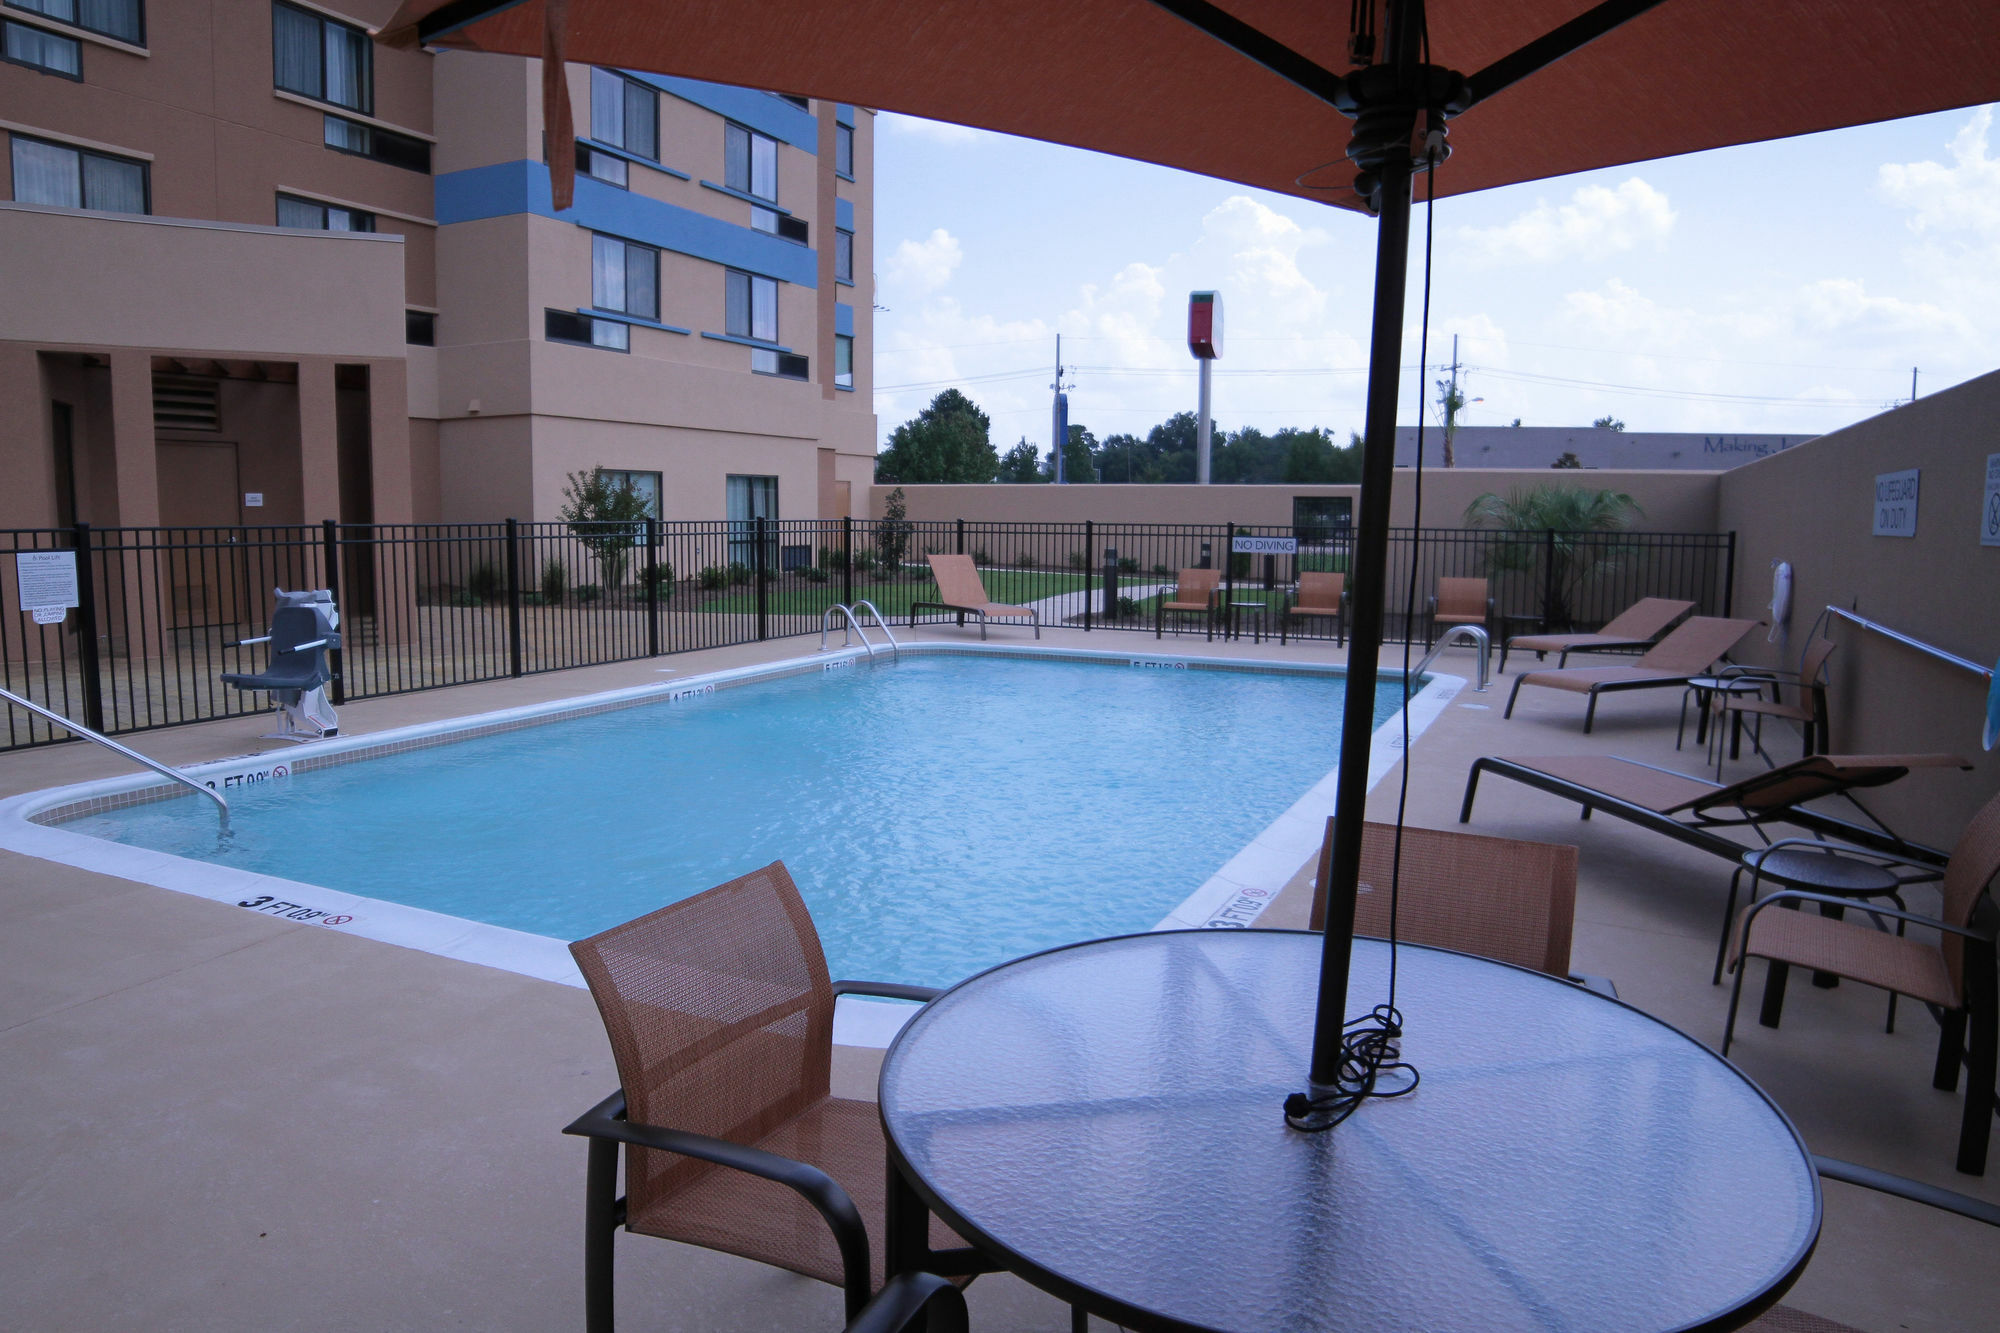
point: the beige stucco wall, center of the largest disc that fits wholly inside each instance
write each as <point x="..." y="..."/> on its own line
<point x="1814" y="507"/>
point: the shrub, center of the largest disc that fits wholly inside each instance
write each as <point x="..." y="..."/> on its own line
<point x="829" y="557"/>
<point x="739" y="573"/>
<point x="466" y="599"/>
<point x="710" y="578"/>
<point x="588" y="592"/>
<point x="555" y="582"/>
<point x="1128" y="608"/>
<point x="864" y="562"/>
<point x="1127" y="565"/>
<point x="979" y="556"/>
<point x="1239" y="565"/>
<point x="814" y="574"/>
<point x="483" y="583"/>
<point x="1165" y="571"/>
<point x="660" y="573"/>
<point x="1077" y="560"/>
<point x="1025" y="560"/>
<point x="531" y="598"/>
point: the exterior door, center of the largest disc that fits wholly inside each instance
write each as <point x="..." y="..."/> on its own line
<point x="204" y="567"/>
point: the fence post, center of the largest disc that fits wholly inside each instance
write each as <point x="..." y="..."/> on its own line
<point x="1089" y="546"/>
<point x="847" y="560"/>
<point x="1729" y="580"/>
<point x="652" y="587"/>
<point x="961" y="537"/>
<point x="1229" y="584"/>
<point x="513" y="597"/>
<point x="86" y="631"/>
<point x="1549" y="581"/>
<point x="336" y="660"/>
<point x="757" y="573"/>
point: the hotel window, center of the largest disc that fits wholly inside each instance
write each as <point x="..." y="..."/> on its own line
<point x="397" y="150"/>
<point x="420" y="328"/>
<point x="843" y="361"/>
<point x="750" y="310"/>
<point x="843" y="150"/>
<point x="624" y="113"/>
<point x="645" y="485"/>
<point x="750" y="162"/>
<point x="123" y="19"/>
<point x="843" y="254"/>
<point x="745" y="500"/>
<point x="782" y="225"/>
<point x="322" y="58"/>
<point x="566" y="326"/>
<point x="46" y="51"/>
<point x="308" y="215"/>
<point x="624" y="277"/>
<point x="65" y="177"/>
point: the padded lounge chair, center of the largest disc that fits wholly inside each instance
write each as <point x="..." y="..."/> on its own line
<point x="961" y="590"/>
<point x="1687" y="652"/>
<point x="1458" y="602"/>
<point x="1321" y="597"/>
<point x="720" y="1016"/>
<point x="1194" y="593"/>
<point x="1637" y="626"/>
<point x="1953" y="974"/>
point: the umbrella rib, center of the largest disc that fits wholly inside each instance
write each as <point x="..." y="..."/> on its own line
<point x="1553" y="45"/>
<point x="446" y="19"/>
<point x="1266" y="50"/>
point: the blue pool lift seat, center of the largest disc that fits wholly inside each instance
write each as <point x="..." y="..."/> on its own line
<point x="303" y="627"/>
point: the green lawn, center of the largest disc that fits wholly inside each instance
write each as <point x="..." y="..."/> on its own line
<point x="1012" y="587"/>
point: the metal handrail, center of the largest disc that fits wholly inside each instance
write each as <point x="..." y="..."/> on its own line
<point x="895" y="649"/>
<point x="1928" y="649"/>
<point x="1479" y="640"/>
<point x="222" y="806"/>
<point x="847" y="614"/>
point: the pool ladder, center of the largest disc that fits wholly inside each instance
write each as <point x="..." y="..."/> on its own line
<point x="221" y="806"/>
<point x="1476" y="636"/>
<point x="850" y="621"/>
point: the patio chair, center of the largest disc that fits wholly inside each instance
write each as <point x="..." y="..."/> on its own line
<point x="1807" y="707"/>
<point x="1458" y="602"/>
<point x="1637" y="626"/>
<point x="961" y="590"/>
<point x="720" y="1016"/>
<point x="1954" y="974"/>
<point x="1318" y="597"/>
<point x="1195" y="591"/>
<point x="1685" y="653"/>
<point x="1500" y="898"/>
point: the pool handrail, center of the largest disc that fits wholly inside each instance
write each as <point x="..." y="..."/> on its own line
<point x="1479" y="640"/>
<point x="221" y="806"/>
<point x="847" y="614"/>
<point x="895" y="649"/>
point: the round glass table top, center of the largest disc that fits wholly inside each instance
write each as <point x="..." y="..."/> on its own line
<point x="1107" y="1119"/>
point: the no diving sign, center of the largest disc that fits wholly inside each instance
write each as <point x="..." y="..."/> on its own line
<point x="47" y="584"/>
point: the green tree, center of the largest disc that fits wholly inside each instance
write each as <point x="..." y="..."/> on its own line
<point x="607" y="518"/>
<point x="1079" y="458"/>
<point x="1568" y="459"/>
<point x="948" y="442"/>
<point x="1569" y="512"/>
<point x="893" y="534"/>
<point x="1021" y="464"/>
<point x="1313" y="459"/>
<point x="1608" y="423"/>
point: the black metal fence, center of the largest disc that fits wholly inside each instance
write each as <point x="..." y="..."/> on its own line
<point x="162" y="611"/>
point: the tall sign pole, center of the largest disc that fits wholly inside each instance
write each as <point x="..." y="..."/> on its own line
<point x="1205" y="341"/>
<point x="1058" y="422"/>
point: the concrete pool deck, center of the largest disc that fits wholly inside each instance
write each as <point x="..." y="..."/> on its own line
<point x="210" y="1119"/>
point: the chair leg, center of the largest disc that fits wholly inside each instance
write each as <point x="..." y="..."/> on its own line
<point x="1983" y="1018"/>
<point x="1729" y="922"/>
<point x="1514" y="694"/>
<point x="1773" y="1007"/>
<point x="1590" y="712"/>
<point x="600" y="1234"/>
<point x="1079" y="1322"/>
<point x="1735" y="999"/>
<point x="1951" y="1050"/>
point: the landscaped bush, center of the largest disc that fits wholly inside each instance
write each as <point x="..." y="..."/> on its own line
<point x="663" y="572"/>
<point x="979" y="556"/>
<point x="1239" y="565"/>
<point x="1078" y="560"/>
<point x="1128" y="608"/>
<point x="484" y="583"/>
<point x="1164" y="571"/>
<point x="588" y="592"/>
<point x="1025" y="560"/>
<point x="555" y="582"/>
<point x="739" y="573"/>
<point x="814" y="574"/>
<point x="864" y="562"/>
<point x="1128" y="564"/>
<point x="711" y="578"/>
<point x="531" y="598"/>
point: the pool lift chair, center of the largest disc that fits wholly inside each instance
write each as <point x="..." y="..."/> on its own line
<point x="303" y="627"/>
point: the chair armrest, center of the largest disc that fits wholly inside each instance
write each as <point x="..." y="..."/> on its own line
<point x="315" y="643"/>
<point x="1431" y="604"/>
<point x="888" y="990"/>
<point x="905" y="1298"/>
<point x="1916" y="1191"/>
<point x="1915" y="918"/>
<point x="1602" y="985"/>
<point x="1930" y="872"/>
<point x="244" y="643"/>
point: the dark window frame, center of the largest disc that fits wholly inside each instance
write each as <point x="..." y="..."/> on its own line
<point x="7" y="25"/>
<point x="585" y="324"/>
<point x="325" y="21"/>
<point x="652" y="95"/>
<point x="145" y="172"/>
<point x="420" y="322"/>
<point x="838" y="340"/>
<point x="842" y="234"/>
<point x="358" y="215"/>
<point x="625" y="281"/>
<point x="376" y="135"/>
<point x="749" y="178"/>
<point x="843" y="148"/>
<point x="78" y="23"/>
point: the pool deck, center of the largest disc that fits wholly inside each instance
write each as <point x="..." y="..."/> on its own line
<point x="210" y="1119"/>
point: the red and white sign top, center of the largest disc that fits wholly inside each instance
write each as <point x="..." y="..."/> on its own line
<point x="1205" y="325"/>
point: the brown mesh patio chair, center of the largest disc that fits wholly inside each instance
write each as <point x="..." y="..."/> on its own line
<point x="1637" y="626"/>
<point x="1807" y="707"/>
<point x="1458" y="602"/>
<point x="1500" y="898"/>
<point x="1685" y="653"/>
<point x="1319" y="597"/>
<point x="1195" y="591"/>
<point x="962" y="592"/>
<point x="720" y="1015"/>
<point x="1953" y="974"/>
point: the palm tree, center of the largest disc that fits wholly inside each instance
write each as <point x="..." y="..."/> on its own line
<point x="1558" y="517"/>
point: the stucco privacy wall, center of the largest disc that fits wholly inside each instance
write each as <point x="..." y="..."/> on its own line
<point x="1814" y="507"/>
<point x="1670" y="501"/>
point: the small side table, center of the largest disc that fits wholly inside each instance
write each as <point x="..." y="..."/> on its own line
<point x="1253" y="612"/>
<point x="1703" y="688"/>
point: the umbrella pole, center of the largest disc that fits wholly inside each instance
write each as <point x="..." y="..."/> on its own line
<point x="1367" y="578"/>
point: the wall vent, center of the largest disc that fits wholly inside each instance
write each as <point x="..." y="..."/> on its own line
<point x="183" y="402"/>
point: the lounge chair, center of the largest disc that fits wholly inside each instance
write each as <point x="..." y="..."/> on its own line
<point x="1700" y="813"/>
<point x="1194" y="593"/>
<point x="720" y="1016"/>
<point x="1321" y="597"/>
<point x="1458" y="602"/>
<point x="961" y="590"/>
<point x="1954" y="973"/>
<point x="1679" y="657"/>
<point x="1637" y="626"/>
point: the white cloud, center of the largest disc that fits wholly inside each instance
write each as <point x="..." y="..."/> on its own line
<point x="1964" y="195"/>
<point x="1596" y="222"/>
<point x="926" y="265"/>
<point x="936" y="131"/>
<point x="1844" y="305"/>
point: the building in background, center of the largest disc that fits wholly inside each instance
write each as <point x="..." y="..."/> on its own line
<point x="262" y="269"/>
<point x="1591" y="446"/>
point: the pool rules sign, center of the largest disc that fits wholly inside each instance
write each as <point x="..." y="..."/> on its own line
<point x="47" y="584"/>
<point x="1896" y="504"/>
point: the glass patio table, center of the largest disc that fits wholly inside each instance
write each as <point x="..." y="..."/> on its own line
<point x="1105" y="1121"/>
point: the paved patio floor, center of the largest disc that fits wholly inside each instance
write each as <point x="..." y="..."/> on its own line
<point x="214" y="1120"/>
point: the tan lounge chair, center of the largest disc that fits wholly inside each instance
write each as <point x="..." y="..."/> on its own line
<point x="1954" y="973"/>
<point x="961" y="591"/>
<point x="1637" y="626"/>
<point x="1687" y="652"/>
<point x="1458" y="602"/>
<point x="1194" y="593"/>
<point x="1319" y="596"/>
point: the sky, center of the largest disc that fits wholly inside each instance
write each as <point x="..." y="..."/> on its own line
<point x="1782" y="287"/>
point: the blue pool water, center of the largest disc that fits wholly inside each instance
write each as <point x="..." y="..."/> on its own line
<point x="940" y="814"/>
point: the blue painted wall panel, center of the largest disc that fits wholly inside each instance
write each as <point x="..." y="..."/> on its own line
<point x="843" y="114"/>
<point x="843" y="214"/>
<point x="523" y="187"/>
<point x="843" y="318"/>
<point x="761" y="111"/>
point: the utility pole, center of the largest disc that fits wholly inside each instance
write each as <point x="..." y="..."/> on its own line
<point x="1059" y="420"/>
<point x="1913" y="384"/>
<point x="1452" y="403"/>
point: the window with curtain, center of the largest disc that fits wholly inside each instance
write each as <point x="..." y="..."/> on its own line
<point x="567" y="326"/>
<point x="745" y="500"/>
<point x="843" y="150"/>
<point x="750" y="310"/>
<point x="37" y="48"/>
<point x="624" y="277"/>
<point x="308" y="215"/>
<point x="843" y="254"/>
<point x="123" y="19"/>
<point x="624" y="113"/>
<point x="64" y="177"/>
<point x="749" y="161"/>
<point x="843" y="361"/>
<point x="645" y="485"/>
<point x="321" y="58"/>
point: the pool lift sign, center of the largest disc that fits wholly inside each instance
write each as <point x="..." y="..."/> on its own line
<point x="46" y="581"/>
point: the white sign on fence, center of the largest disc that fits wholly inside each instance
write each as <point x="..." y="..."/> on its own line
<point x="1265" y="545"/>
<point x="1896" y="504"/>
<point x="47" y="581"/>
<point x="1989" y="513"/>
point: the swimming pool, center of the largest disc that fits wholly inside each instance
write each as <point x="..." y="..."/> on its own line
<point x="941" y="814"/>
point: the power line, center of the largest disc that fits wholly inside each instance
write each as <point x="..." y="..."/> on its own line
<point x="1652" y="392"/>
